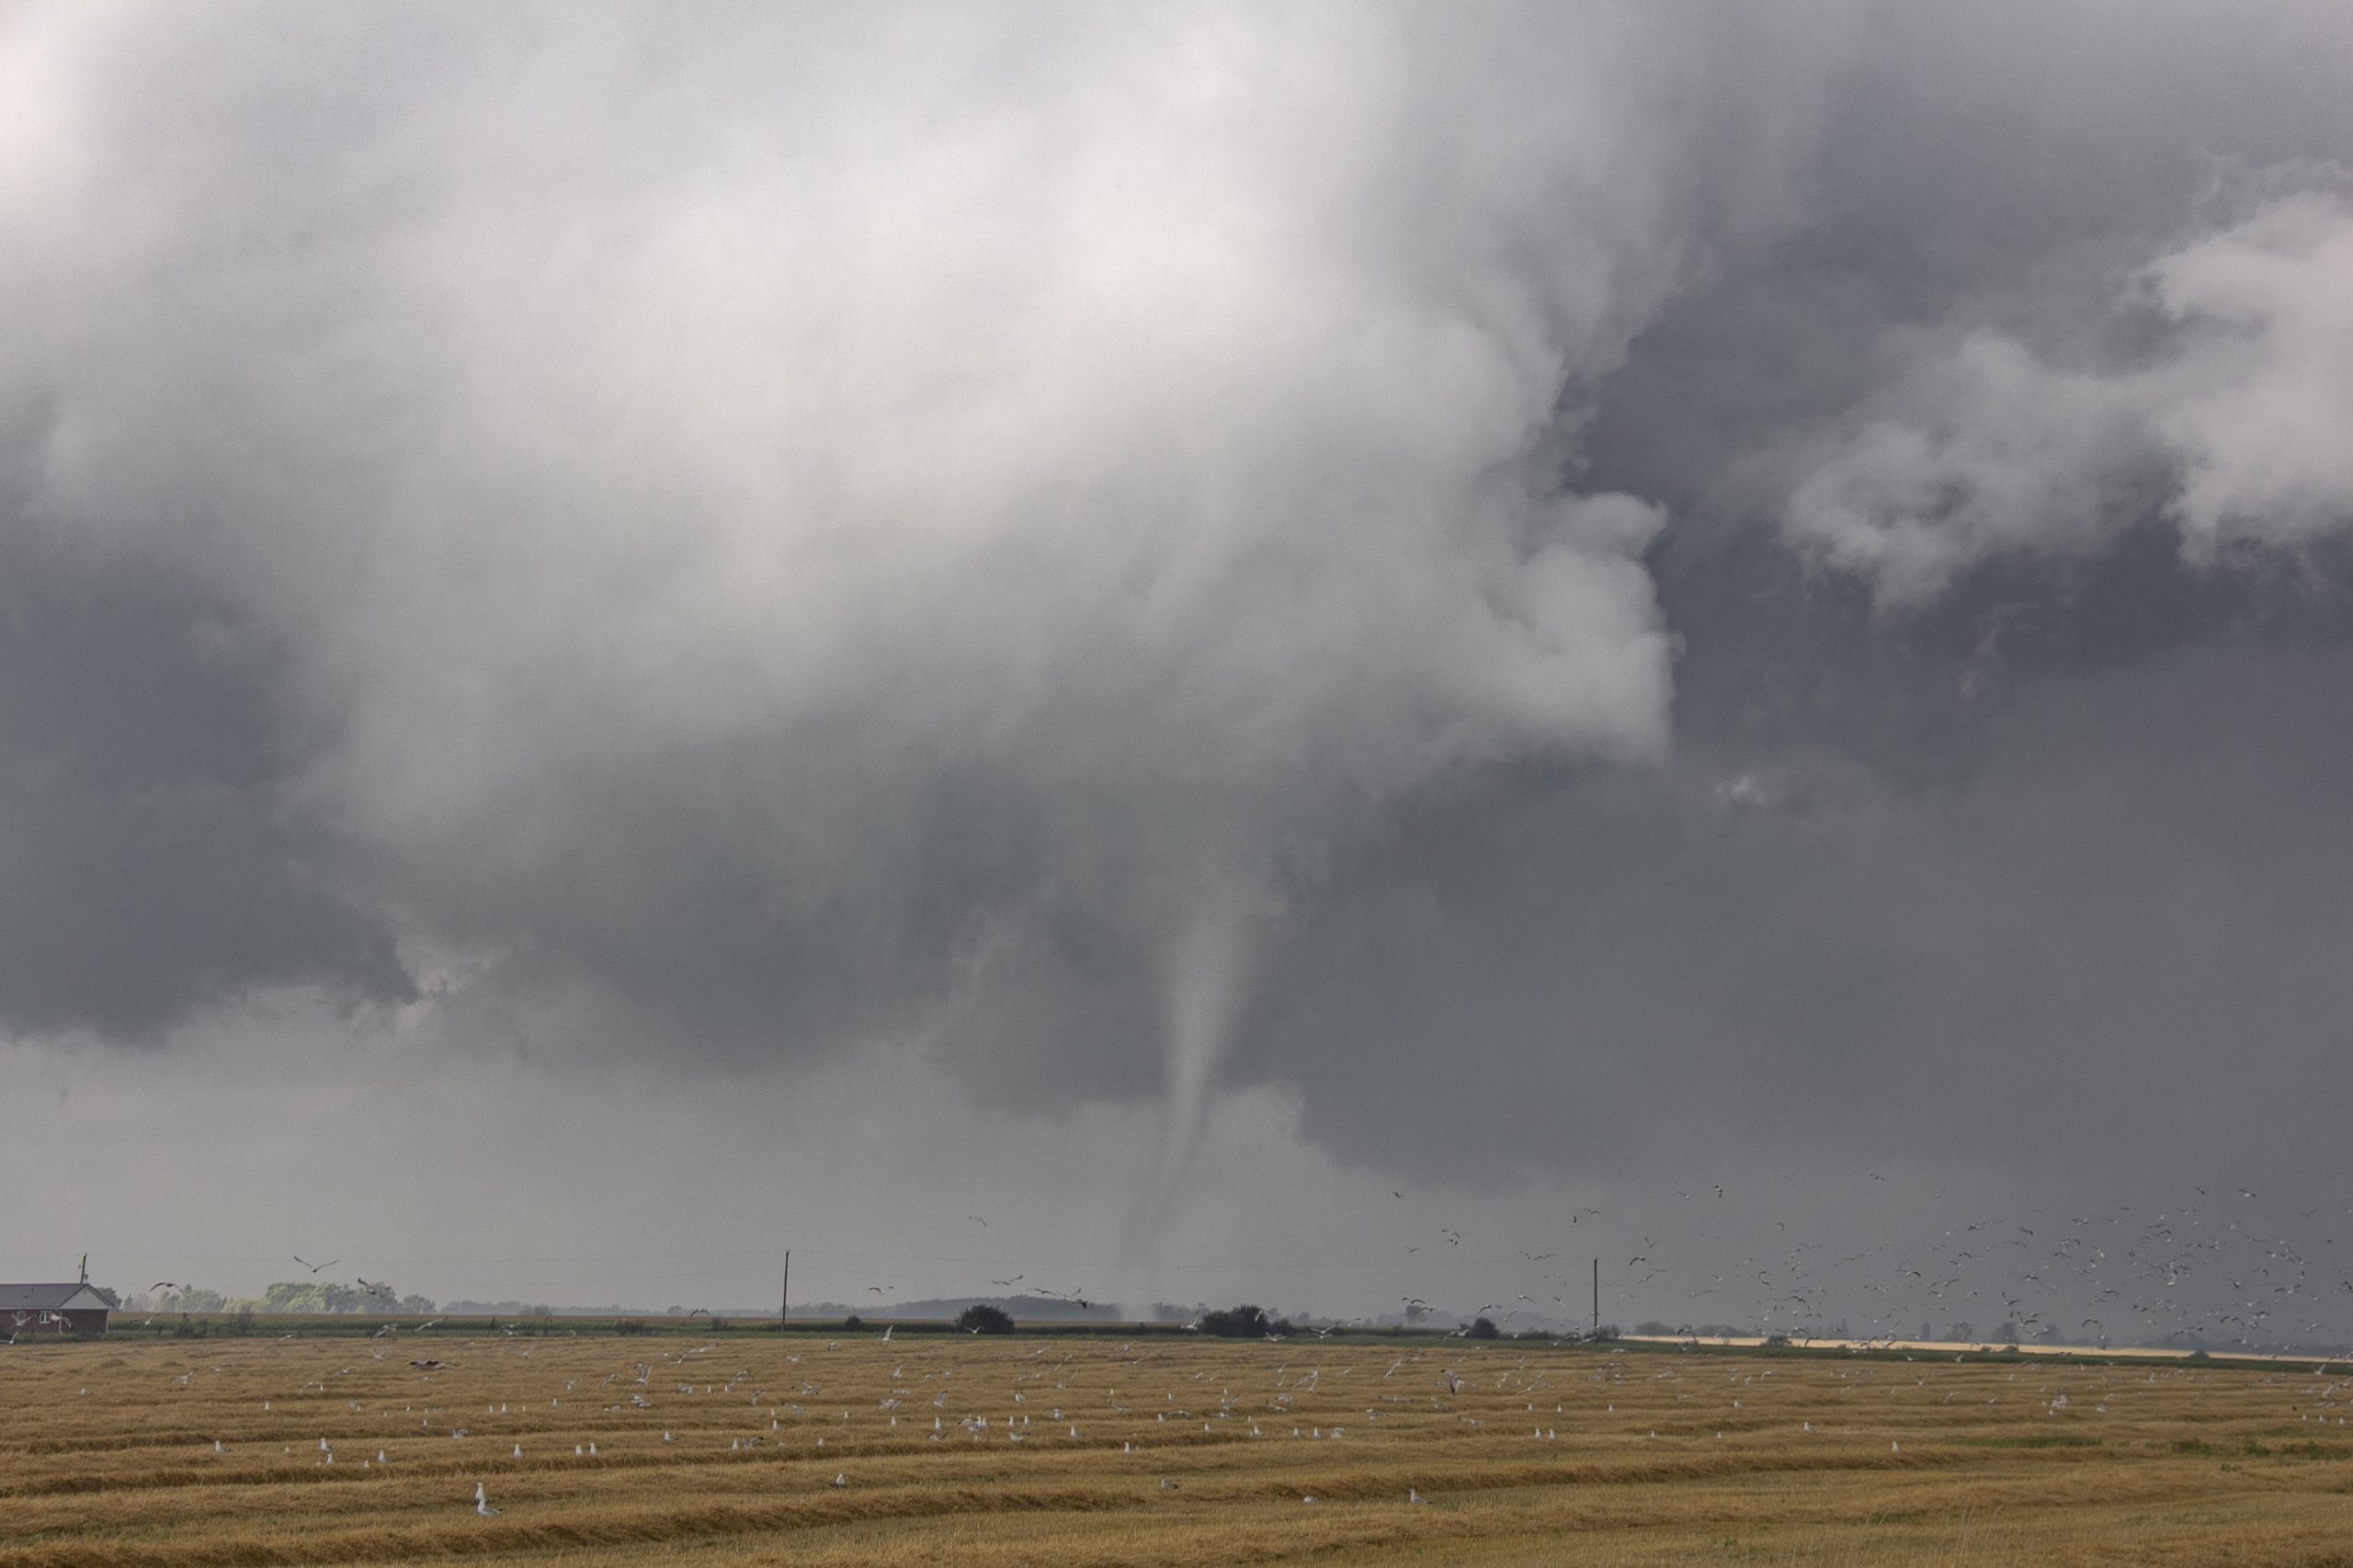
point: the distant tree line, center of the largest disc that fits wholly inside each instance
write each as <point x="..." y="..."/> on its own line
<point x="287" y="1296"/>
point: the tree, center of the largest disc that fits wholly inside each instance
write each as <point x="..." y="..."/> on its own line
<point x="310" y="1296"/>
<point x="982" y="1318"/>
<point x="191" y="1301"/>
<point x="1482" y="1328"/>
<point x="1244" y="1322"/>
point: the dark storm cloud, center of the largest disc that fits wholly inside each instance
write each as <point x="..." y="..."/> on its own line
<point x="2105" y="927"/>
<point x="1080" y="544"/>
<point x="150" y="861"/>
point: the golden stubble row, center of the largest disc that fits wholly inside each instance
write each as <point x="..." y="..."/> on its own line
<point x="729" y="1447"/>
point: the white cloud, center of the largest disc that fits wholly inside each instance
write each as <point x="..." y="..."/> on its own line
<point x="2264" y="424"/>
<point x="1981" y="446"/>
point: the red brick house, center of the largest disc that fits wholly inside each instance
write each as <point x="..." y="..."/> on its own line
<point x="71" y="1308"/>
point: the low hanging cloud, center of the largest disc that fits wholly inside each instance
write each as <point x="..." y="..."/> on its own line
<point x="2234" y="431"/>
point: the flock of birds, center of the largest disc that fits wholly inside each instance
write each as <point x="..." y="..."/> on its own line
<point x="2203" y="1274"/>
<point x="2206" y="1273"/>
<point x="635" y="1393"/>
<point x="936" y="1396"/>
<point x="2202" y="1271"/>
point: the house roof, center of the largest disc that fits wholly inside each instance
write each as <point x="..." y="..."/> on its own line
<point x="73" y="1296"/>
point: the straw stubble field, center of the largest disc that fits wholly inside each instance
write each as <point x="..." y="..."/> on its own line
<point x="727" y="1451"/>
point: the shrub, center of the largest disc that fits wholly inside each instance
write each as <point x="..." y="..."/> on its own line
<point x="1482" y="1328"/>
<point x="982" y="1318"/>
<point x="853" y="1321"/>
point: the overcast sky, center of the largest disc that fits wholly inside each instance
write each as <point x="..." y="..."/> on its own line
<point x="1231" y="639"/>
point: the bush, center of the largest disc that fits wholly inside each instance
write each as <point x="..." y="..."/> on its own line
<point x="982" y="1318"/>
<point x="1482" y="1328"/>
<point x="853" y="1321"/>
<point x="1245" y="1321"/>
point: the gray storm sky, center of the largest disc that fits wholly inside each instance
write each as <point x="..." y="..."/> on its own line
<point x="1237" y="638"/>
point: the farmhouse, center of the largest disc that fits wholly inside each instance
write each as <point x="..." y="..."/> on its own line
<point x="71" y="1308"/>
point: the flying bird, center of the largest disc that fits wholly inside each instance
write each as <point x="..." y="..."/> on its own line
<point x="315" y="1267"/>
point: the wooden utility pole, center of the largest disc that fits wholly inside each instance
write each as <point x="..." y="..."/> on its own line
<point x="784" y="1298"/>
<point x="1596" y="1298"/>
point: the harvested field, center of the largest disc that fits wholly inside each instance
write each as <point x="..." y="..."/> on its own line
<point x="726" y="1451"/>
